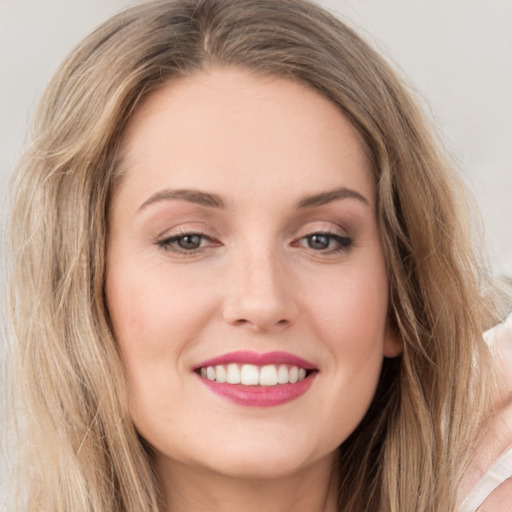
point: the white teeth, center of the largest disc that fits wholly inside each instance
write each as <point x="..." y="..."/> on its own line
<point x="282" y="374"/>
<point x="252" y="375"/>
<point x="221" y="374"/>
<point x="268" y="375"/>
<point x="233" y="374"/>
<point x="249" y="376"/>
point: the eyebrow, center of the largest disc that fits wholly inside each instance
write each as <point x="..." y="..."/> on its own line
<point x="215" y="201"/>
<point x="329" y="196"/>
<point x="191" y="196"/>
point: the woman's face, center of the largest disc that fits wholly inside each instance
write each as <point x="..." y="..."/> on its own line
<point x="244" y="246"/>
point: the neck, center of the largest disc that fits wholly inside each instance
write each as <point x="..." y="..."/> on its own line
<point x="313" y="489"/>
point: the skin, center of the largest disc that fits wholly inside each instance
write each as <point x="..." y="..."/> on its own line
<point x="497" y="438"/>
<point x="256" y="282"/>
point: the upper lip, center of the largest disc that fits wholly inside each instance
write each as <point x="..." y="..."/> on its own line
<point x="258" y="359"/>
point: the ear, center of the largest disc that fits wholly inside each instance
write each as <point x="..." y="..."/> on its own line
<point x="393" y="344"/>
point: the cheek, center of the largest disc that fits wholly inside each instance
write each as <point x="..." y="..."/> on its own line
<point x="355" y="333"/>
<point x="350" y="309"/>
<point x="149" y="324"/>
<point x="349" y="315"/>
<point x="157" y="315"/>
<point x="142" y="327"/>
<point x="152" y="311"/>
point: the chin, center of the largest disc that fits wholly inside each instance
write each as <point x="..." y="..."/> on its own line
<point x="258" y="466"/>
<point x="274" y="455"/>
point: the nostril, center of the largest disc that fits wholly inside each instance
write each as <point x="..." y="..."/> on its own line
<point x="261" y="312"/>
<point x="261" y="324"/>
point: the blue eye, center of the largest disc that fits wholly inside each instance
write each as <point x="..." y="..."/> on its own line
<point x="326" y="242"/>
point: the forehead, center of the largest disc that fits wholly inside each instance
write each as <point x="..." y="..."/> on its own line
<point x="227" y="125"/>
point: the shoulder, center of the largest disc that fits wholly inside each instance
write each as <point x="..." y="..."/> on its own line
<point x="500" y="500"/>
<point x="493" y="493"/>
<point x="488" y="483"/>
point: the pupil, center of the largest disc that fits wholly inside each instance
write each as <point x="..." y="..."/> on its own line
<point x="189" y="242"/>
<point x="319" y="242"/>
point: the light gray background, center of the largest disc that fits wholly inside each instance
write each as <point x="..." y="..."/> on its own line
<point x="456" y="53"/>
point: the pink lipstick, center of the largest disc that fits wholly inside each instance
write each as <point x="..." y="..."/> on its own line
<point x="257" y="379"/>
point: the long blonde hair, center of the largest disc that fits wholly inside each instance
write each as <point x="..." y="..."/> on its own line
<point x="81" y="450"/>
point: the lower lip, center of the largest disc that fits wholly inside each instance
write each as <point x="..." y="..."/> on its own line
<point x="260" y="396"/>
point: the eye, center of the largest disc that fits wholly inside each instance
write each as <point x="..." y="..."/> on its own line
<point x="325" y="242"/>
<point x="189" y="242"/>
<point x="186" y="243"/>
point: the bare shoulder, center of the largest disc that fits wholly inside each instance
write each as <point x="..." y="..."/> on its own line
<point x="500" y="500"/>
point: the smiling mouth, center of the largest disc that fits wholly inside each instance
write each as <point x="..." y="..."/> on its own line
<point x="254" y="379"/>
<point x="253" y="375"/>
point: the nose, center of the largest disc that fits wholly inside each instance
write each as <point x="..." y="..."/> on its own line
<point x="260" y="294"/>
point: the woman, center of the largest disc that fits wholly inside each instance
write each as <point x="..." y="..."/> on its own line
<point x="240" y="277"/>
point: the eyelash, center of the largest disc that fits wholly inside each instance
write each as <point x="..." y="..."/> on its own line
<point x="344" y="243"/>
<point x="171" y="244"/>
